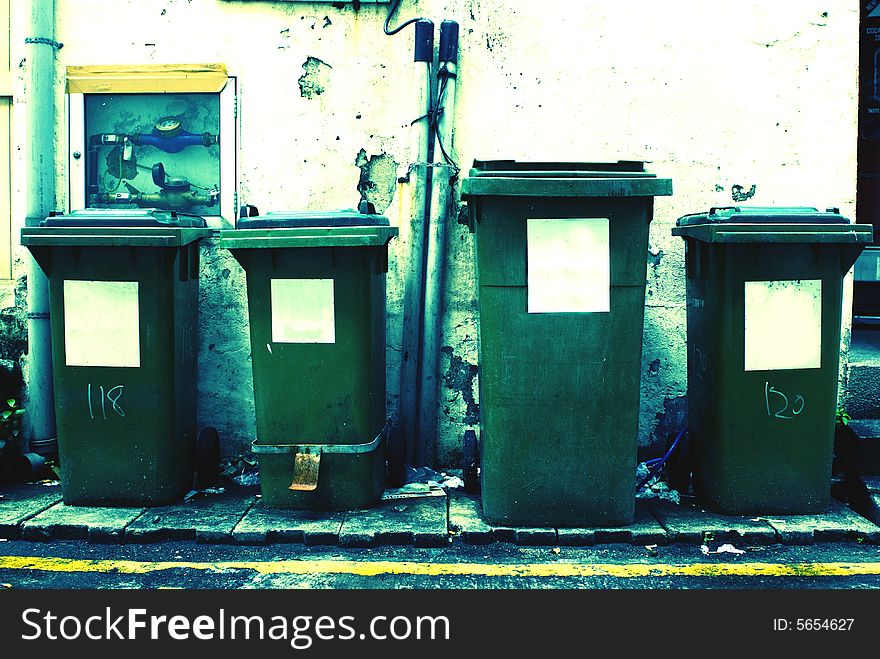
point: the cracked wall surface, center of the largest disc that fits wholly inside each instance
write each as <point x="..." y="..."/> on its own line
<point x="316" y="77"/>
<point x="724" y="103"/>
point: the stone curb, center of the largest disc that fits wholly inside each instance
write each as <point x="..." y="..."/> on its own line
<point x="426" y="522"/>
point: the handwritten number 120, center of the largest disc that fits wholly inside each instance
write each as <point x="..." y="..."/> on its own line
<point x="781" y="407"/>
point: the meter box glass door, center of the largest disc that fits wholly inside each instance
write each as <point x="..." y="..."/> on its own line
<point x="154" y="137"/>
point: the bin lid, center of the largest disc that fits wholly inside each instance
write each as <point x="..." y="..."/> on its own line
<point x="773" y="224"/>
<point x="758" y="214"/>
<point x="624" y="178"/>
<point x="111" y="217"/>
<point x="297" y="219"/>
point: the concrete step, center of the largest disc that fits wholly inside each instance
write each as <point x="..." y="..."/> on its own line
<point x="867" y="445"/>
<point x="870" y="509"/>
<point x="862" y="399"/>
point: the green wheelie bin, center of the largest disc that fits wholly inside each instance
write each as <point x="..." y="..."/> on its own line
<point x="561" y="252"/>
<point x="316" y="303"/>
<point x="764" y="291"/>
<point x="123" y="301"/>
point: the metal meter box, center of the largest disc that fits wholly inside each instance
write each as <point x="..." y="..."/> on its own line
<point x="154" y="136"/>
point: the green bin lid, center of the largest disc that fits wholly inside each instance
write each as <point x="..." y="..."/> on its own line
<point x="296" y="219"/>
<point x="335" y="228"/>
<point x="759" y="214"/>
<point x="624" y="178"/>
<point x="109" y="217"/>
<point x="559" y="169"/>
<point x="779" y="224"/>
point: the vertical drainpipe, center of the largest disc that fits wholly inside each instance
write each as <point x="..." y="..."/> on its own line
<point x="440" y="198"/>
<point x="415" y="276"/>
<point x="40" y="47"/>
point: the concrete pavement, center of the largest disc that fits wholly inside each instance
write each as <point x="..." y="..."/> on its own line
<point x="237" y="516"/>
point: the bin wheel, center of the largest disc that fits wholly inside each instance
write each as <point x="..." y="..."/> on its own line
<point x="470" y="462"/>
<point x="207" y="458"/>
<point x="396" y="457"/>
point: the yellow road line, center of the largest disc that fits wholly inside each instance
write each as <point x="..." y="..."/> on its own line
<point x="375" y="568"/>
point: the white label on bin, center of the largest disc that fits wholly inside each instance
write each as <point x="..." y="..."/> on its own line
<point x="569" y="265"/>
<point x="783" y="324"/>
<point x="303" y="311"/>
<point x="101" y="323"/>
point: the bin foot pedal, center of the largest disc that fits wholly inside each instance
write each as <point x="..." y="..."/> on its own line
<point x="305" y="471"/>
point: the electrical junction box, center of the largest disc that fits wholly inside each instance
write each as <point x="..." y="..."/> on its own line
<point x="154" y="136"/>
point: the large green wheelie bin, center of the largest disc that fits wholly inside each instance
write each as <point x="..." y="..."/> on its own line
<point x="561" y="271"/>
<point x="764" y="291"/>
<point x="316" y="303"/>
<point x="123" y="300"/>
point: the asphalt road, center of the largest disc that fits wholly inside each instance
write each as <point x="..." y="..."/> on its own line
<point x="519" y="600"/>
<point x="79" y="565"/>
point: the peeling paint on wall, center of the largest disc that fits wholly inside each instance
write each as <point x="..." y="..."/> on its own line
<point x="315" y="80"/>
<point x="225" y="385"/>
<point x="461" y="377"/>
<point x="13" y="324"/>
<point x="670" y="421"/>
<point x="739" y="193"/>
<point x="378" y="180"/>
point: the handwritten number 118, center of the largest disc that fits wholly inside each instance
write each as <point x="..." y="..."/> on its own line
<point x="111" y="397"/>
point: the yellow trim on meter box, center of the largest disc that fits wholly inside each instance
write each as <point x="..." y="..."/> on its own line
<point x="146" y="78"/>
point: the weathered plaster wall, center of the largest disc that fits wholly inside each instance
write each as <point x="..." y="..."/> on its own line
<point x="732" y="100"/>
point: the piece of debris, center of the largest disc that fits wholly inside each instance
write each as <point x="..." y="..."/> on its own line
<point x="451" y="482"/>
<point x="431" y="477"/>
<point x="242" y="470"/>
<point x="555" y="550"/>
<point x="651" y="549"/>
<point x="723" y="549"/>
<point x="208" y="490"/>
<point x="655" y="488"/>
<point x="247" y="479"/>
<point x="414" y="491"/>
<point x="6" y="585"/>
